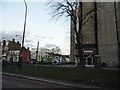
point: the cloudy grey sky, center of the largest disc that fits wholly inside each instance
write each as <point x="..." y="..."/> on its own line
<point x="40" y="27"/>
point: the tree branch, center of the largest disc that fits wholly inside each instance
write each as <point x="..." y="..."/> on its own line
<point x="87" y="20"/>
<point x="87" y="14"/>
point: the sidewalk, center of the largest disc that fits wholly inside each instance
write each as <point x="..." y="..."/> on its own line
<point x="71" y="84"/>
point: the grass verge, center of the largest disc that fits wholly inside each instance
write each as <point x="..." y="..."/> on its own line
<point x="99" y="77"/>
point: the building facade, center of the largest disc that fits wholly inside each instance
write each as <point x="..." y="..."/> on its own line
<point x="25" y="55"/>
<point x="10" y="51"/>
<point x="101" y="34"/>
<point x="42" y="52"/>
<point x="9" y="48"/>
<point x="108" y="34"/>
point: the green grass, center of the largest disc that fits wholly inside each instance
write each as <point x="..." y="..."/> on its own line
<point x="84" y="75"/>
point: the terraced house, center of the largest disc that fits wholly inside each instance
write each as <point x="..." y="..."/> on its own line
<point x="11" y="50"/>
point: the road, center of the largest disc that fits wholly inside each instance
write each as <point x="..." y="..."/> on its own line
<point x="14" y="82"/>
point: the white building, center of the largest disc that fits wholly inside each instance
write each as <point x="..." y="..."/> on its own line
<point x="42" y="52"/>
<point x="56" y="50"/>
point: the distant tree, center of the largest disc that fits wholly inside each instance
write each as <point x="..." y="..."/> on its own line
<point x="74" y="10"/>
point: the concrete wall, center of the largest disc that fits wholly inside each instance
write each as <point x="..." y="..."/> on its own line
<point x="88" y="32"/>
<point x="107" y="35"/>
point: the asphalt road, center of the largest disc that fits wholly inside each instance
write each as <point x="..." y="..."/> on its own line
<point x="14" y="82"/>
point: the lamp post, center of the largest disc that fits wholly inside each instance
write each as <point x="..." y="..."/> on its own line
<point x="24" y="23"/>
<point x="20" y="56"/>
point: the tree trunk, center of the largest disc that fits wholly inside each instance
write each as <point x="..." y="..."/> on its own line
<point x="80" y="62"/>
<point x="79" y="35"/>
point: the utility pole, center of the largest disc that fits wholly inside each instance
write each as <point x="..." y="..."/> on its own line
<point x="20" y="56"/>
<point x="37" y="58"/>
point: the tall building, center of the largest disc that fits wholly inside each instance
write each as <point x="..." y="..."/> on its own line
<point x="108" y="34"/>
<point x="89" y="36"/>
<point x="101" y="33"/>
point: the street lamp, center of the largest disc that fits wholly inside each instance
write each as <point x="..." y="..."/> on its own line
<point x="20" y="56"/>
<point x="24" y="23"/>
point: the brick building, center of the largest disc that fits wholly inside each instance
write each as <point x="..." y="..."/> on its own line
<point x="25" y="55"/>
<point x="11" y="50"/>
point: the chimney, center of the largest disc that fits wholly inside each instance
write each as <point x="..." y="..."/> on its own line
<point x="28" y="48"/>
<point x="13" y="40"/>
<point x="18" y="42"/>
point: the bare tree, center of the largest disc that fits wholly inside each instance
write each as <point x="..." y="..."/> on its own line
<point x="73" y="9"/>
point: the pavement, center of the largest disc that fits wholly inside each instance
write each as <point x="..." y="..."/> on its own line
<point x="9" y="82"/>
<point x="70" y="84"/>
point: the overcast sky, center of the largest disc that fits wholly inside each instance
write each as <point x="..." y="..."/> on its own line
<point x="40" y="27"/>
